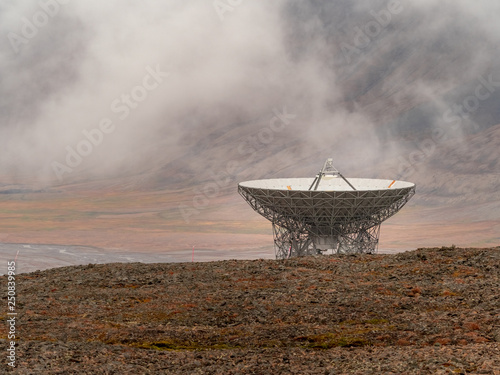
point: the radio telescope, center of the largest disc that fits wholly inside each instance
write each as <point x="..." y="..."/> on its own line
<point x="329" y="212"/>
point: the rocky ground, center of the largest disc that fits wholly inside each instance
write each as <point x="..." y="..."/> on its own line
<point x="429" y="311"/>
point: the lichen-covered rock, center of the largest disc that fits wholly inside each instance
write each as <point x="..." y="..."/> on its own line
<point x="422" y="312"/>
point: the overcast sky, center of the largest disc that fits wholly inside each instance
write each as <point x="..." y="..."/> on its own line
<point x="89" y="88"/>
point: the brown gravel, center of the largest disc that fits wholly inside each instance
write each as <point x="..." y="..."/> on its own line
<point x="429" y="311"/>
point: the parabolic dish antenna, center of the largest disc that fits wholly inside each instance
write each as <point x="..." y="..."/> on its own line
<point x="329" y="212"/>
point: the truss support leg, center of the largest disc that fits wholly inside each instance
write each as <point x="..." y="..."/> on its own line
<point x="365" y="241"/>
<point x="292" y="243"/>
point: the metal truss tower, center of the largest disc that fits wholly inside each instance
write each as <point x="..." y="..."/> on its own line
<point x="312" y="216"/>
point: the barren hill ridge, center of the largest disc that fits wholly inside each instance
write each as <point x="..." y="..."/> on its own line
<point x="428" y="311"/>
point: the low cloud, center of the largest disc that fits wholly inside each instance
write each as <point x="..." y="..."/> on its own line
<point x="88" y="61"/>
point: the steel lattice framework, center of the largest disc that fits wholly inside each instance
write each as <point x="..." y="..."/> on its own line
<point x="307" y="222"/>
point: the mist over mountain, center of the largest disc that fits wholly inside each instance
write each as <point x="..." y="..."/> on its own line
<point x="160" y="95"/>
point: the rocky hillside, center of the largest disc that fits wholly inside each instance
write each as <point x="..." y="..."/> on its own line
<point x="429" y="311"/>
